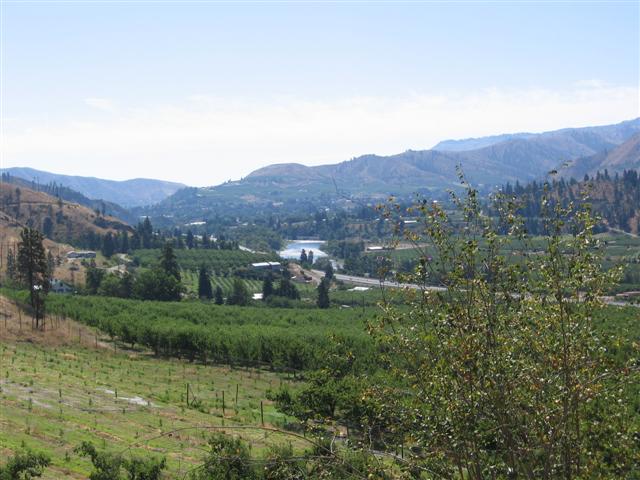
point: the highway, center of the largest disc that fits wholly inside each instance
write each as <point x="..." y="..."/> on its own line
<point x="374" y="282"/>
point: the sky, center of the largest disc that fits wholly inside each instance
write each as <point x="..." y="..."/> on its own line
<point x="203" y="92"/>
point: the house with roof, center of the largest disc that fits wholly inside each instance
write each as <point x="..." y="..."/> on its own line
<point x="58" y="286"/>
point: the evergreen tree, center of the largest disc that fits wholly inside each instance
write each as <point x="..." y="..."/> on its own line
<point x="124" y="245"/>
<point x="146" y="233"/>
<point x="206" y="241"/>
<point x="218" y="298"/>
<point x="51" y="263"/>
<point x="12" y="270"/>
<point x="34" y="271"/>
<point x="287" y="289"/>
<point x="328" y="271"/>
<point x="135" y="241"/>
<point x="239" y="293"/>
<point x="17" y="206"/>
<point x="126" y="285"/>
<point x="47" y="227"/>
<point x="323" y="294"/>
<point x="169" y="262"/>
<point x="93" y="279"/>
<point x="267" y="286"/>
<point x="204" y="284"/>
<point x="108" y="245"/>
<point x="189" y="239"/>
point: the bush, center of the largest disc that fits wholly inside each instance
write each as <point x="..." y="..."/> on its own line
<point x="24" y="466"/>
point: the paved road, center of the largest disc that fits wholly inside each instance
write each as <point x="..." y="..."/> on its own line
<point x="617" y="230"/>
<point x="374" y="282"/>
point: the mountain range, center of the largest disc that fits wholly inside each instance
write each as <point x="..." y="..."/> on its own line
<point x="486" y="162"/>
<point x="127" y="193"/>
<point x="620" y="158"/>
<point x="519" y="157"/>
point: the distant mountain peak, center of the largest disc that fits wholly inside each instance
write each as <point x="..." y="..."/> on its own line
<point x="127" y="193"/>
<point x="615" y="160"/>
<point x="466" y="144"/>
<point x="617" y="133"/>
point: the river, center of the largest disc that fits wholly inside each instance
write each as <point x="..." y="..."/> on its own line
<point x="294" y="247"/>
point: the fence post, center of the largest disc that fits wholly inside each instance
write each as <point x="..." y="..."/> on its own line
<point x="261" y="413"/>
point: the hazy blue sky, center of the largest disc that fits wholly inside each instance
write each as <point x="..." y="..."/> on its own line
<point x="203" y="92"/>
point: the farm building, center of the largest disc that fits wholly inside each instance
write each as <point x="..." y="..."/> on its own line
<point x="83" y="254"/>
<point x="273" y="266"/>
<point x="58" y="286"/>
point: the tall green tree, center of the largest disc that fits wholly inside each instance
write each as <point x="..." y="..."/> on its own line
<point x="499" y="373"/>
<point x="145" y="231"/>
<point x="124" y="242"/>
<point x="286" y="288"/>
<point x="93" y="279"/>
<point x="328" y="271"/>
<point x="33" y="271"/>
<point x="267" y="286"/>
<point x="12" y="267"/>
<point x="156" y="284"/>
<point x="108" y="245"/>
<point x="47" y="227"/>
<point x="169" y="261"/>
<point x="204" y="284"/>
<point x="218" y="298"/>
<point x="239" y="293"/>
<point x="323" y="294"/>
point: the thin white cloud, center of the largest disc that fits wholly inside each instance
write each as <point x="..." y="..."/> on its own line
<point x="207" y="139"/>
<point x="104" y="104"/>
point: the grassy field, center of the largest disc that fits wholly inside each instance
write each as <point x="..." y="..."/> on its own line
<point x="67" y="385"/>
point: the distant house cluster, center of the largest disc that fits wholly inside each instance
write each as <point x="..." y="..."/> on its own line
<point x="82" y="254"/>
